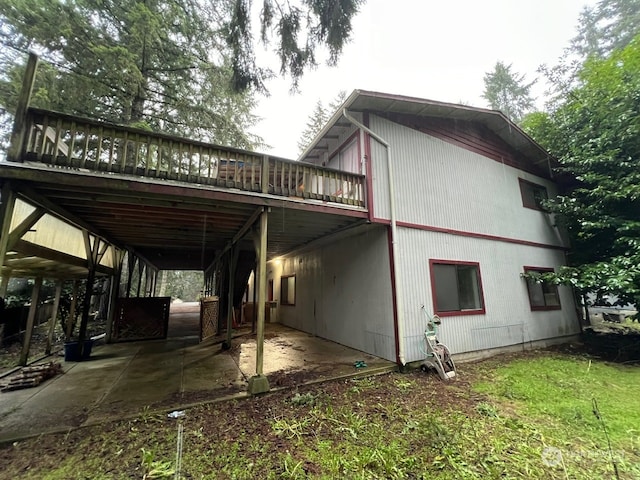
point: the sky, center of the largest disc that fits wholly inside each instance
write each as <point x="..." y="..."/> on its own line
<point x="439" y="50"/>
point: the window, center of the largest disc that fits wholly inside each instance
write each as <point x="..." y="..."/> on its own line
<point x="532" y="194"/>
<point x="456" y="287"/>
<point x="288" y="290"/>
<point x="542" y="296"/>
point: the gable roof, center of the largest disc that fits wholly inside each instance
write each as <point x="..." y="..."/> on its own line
<point x="392" y="106"/>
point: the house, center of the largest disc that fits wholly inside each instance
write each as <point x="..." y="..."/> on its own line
<point x="454" y="220"/>
<point x="399" y="206"/>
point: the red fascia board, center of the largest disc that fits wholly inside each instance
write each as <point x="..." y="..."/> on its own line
<point x="463" y="233"/>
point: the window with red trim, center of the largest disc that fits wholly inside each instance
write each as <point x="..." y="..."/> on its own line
<point x="533" y="195"/>
<point x="542" y="295"/>
<point x="456" y="287"/>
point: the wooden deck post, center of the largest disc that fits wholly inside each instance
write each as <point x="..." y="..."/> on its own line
<point x="259" y="383"/>
<point x="14" y="154"/>
<point x="4" y="284"/>
<point x="72" y="310"/>
<point x="114" y="293"/>
<point x="35" y="295"/>
<point x="54" y="317"/>
<point x="264" y="181"/>
<point x="233" y="262"/>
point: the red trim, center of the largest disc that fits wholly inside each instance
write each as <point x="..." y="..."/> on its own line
<point x="536" y="185"/>
<point x="545" y="307"/>
<point x="474" y="136"/>
<point x="392" y="270"/>
<point x="369" y="175"/>
<point x="455" y="313"/>
<point x="463" y="233"/>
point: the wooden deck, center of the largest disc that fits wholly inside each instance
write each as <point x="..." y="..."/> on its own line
<point x="66" y="141"/>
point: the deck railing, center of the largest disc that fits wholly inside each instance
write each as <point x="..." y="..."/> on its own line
<point x="72" y="142"/>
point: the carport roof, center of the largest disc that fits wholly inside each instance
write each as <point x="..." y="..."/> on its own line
<point x="169" y="224"/>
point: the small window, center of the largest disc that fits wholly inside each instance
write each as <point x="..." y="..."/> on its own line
<point x="542" y="295"/>
<point x="456" y="287"/>
<point x="533" y="194"/>
<point x="288" y="290"/>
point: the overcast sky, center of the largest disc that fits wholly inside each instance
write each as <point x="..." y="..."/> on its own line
<point x="438" y="50"/>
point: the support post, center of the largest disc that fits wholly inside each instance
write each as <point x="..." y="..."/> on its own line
<point x="254" y="314"/>
<point x="259" y="383"/>
<point x="264" y="181"/>
<point x="35" y="295"/>
<point x="95" y="251"/>
<point x="141" y="269"/>
<point x="54" y="317"/>
<point x="14" y="154"/>
<point x="233" y="261"/>
<point x="72" y="310"/>
<point x="131" y="264"/>
<point x="114" y="293"/>
<point x="4" y="284"/>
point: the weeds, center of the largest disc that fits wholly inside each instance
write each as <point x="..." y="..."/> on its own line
<point x="305" y="399"/>
<point x="154" y="469"/>
<point x="290" y="428"/>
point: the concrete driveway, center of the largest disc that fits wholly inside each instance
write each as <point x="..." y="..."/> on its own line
<point x="125" y="379"/>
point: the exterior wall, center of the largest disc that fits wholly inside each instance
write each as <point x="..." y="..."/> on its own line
<point x="343" y="292"/>
<point x="508" y="319"/>
<point x="441" y="185"/>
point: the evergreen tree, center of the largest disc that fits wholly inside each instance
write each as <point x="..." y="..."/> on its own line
<point x="608" y="26"/>
<point x="318" y="119"/>
<point x="176" y="65"/>
<point x="508" y="92"/>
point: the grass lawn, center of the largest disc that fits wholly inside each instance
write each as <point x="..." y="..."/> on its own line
<point x="529" y="415"/>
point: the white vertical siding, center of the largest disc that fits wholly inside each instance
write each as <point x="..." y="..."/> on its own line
<point x="343" y="292"/>
<point x="442" y="185"/>
<point x="508" y="319"/>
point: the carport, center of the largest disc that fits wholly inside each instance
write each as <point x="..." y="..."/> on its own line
<point x="79" y="196"/>
<point x="123" y="380"/>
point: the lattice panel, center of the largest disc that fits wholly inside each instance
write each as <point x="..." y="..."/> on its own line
<point x="209" y="307"/>
<point x="141" y="318"/>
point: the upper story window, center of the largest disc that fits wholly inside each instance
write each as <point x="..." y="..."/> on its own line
<point x="456" y="287"/>
<point x="532" y="194"/>
<point x="542" y="295"/>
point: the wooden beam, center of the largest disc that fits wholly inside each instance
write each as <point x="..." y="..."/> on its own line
<point x="54" y="317"/>
<point x="237" y="237"/>
<point x="24" y="226"/>
<point x="26" y="344"/>
<point x="35" y="198"/>
<point x="33" y="250"/>
<point x="18" y="133"/>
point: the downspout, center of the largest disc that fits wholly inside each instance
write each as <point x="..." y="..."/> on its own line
<point x="394" y="234"/>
